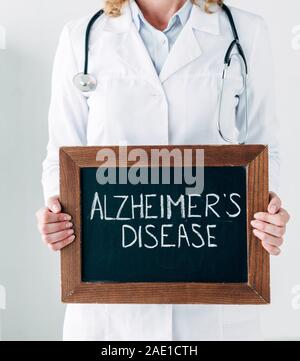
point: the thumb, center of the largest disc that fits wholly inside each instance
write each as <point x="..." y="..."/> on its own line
<point x="54" y="204"/>
<point x="275" y="203"/>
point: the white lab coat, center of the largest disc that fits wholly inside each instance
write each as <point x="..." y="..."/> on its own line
<point x="133" y="104"/>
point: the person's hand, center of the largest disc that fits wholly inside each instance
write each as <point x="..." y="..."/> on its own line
<point x="270" y="227"/>
<point x="55" y="227"/>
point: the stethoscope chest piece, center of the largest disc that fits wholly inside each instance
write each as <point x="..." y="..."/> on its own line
<point x="85" y="82"/>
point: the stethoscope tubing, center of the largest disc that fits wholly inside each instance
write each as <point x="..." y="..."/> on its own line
<point x="87" y="39"/>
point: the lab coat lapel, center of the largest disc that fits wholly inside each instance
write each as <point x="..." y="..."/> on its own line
<point x="133" y="52"/>
<point x="130" y="47"/>
<point x="187" y="48"/>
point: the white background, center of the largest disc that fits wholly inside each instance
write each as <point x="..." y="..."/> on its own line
<point x="28" y="271"/>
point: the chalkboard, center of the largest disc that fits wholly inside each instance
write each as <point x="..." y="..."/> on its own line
<point x="206" y="235"/>
<point x="157" y="243"/>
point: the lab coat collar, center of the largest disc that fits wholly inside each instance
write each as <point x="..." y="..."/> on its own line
<point x="202" y="21"/>
<point x="185" y="50"/>
<point x="182" y="14"/>
<point x="133" y="52"/>
<point x="199" y="20"/>
<point x="120" y="24"/>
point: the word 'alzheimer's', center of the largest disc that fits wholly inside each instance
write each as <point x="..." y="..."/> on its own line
<point x="152" y="220"/>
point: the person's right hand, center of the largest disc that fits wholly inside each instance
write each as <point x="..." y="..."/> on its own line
<point x="55" y="227"/>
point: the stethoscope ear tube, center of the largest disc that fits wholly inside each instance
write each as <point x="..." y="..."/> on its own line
<point x="227" y="58"/>
<point x="227" y="62"/>
<point x="219" y="127"/>
<point x="241" y="51"/>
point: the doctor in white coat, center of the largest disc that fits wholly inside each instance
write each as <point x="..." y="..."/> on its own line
<point x="159" y="67"/>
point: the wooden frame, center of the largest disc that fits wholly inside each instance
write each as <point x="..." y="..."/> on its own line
<point x="255" y="291"/>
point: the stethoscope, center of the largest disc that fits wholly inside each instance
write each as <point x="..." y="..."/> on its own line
<point x="86" y="82"/>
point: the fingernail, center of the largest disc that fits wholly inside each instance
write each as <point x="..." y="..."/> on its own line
<point x="256" y="232"/>
<point x="72" y="238"/>
<point x="69" y="224"/>
<point x="55" y="209"/>
<point x="254" y="223"/>
<point x="67" y="218"/>
<point x="71" y="231"/>
<point x="273" y="209"/>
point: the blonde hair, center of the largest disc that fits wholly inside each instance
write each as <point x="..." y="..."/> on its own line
<point x="113" y="7"/>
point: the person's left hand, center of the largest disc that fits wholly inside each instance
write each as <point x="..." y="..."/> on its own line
<point x="270" y="227"/>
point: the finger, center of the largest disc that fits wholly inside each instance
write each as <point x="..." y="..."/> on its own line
<point x="48" y="228"/>
<point x="54" y="204"/>
<point x="46" y="216"/>
<point x="58" y="236"/>
<point x="280" y="219"/>
<point x="60" y="245"/>
<point x="268" y="239"/>
<point x="274" y="251"/>
<point x="275" y="203"/>
<point x="269" y="228"/>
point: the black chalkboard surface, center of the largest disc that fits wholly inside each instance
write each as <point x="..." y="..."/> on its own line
<point x="158" y="233"/>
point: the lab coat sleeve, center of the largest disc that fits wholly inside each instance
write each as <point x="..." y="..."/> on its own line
<point x="68" y="113"/>
<point x="263" y="123"/>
